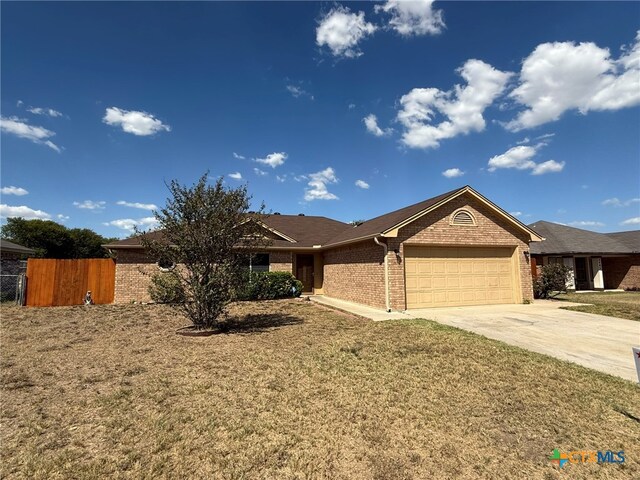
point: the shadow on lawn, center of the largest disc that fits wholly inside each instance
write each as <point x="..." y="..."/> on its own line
<point x="258" y="323"/>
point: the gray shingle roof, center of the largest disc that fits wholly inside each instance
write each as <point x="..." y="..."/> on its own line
<point x="10" y="247"/>
<point x="630" y="239"/>
<point x="561" y="239"/>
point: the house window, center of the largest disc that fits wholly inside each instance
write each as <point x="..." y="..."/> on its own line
<point x="259" y="262"/>
<point x="166" y="265"/>
<point x="555" y="261"/>
<point x="462" y="217"/>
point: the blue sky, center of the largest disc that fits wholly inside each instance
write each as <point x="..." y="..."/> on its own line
<point x="347" y="110"/>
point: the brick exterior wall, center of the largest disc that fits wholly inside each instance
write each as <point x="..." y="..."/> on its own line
<point x="134" y="270"/>
<point x="133" y="276"/>
<point x="356" y="273"/>
<point x="621" y="272"/>
<point x="281" y="262"/>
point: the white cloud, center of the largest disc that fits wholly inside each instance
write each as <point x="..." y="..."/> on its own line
<point x="453" y="173"/>
<point x="142" y="206"/>
<point x="281" y="178"/>
<point x="586" y="223"/>
<point x="550" y="166"/>
<point x="135" y="122"/>
<point x="515" y="214"/>
<point x="129" y="224"/>
<point x="462" y="106"/>
<point x="8" y="211"/>
<point x="90" y="205"/>
<point x="44" y="111"/>
<point x="362" y="184"/>
<point x="236" y="176"/>
<point x="561" y="76"/>
<point x="351" y="106"/>
<point x="371" y="122"/>
<point x="520" y="158"/>
<point x="260" y="173"/>
<point x="300" y="178"/>
<point x="415" y="17"/>
<point x="318" y="185"/>
<point x="616" y="202"/>
<point x="22" y="129"/>
<point x="18" y="191"/>
<point x="297" y="92"/>
<point x="341" y="31"/>
<point x="19" y="103"/>
<point x="62" y="218"/>
<point x="238" y="156"/>
<point x="273" y="159"/>
<point x="631" y="221"/>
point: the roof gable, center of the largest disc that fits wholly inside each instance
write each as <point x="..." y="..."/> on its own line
<point x="387" y="225"/>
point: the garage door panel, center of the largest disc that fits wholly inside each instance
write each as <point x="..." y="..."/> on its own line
<point x="448" y="276"/>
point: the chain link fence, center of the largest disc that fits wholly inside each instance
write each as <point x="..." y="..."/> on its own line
<point x="12" y="288"/>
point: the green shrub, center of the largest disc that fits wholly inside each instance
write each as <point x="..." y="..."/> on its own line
<point x="552" y="281"/>
<point x="166" y="288"/>
<point x="269" y="286"/>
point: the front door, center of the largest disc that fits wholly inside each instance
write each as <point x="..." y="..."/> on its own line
<point x="582" y="274"/>
<point x="304" y="271"/>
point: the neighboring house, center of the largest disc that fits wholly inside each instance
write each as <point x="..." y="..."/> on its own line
<point x="598" y="260"/>
<point x="13" y="256"/>
<point x="454" y="249"/>
<point x="12" y="263"/>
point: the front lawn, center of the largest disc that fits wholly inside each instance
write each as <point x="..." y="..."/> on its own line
<point x="294" y="391"/>
<point x="613" y="304"/>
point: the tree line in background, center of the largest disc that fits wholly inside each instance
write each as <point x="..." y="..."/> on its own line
<point x="52" y="240"/>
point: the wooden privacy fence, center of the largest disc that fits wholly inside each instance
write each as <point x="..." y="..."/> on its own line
<point x="53" y="282"/>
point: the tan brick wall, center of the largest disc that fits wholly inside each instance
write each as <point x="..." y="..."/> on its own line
<point x="134" y="271"/>
<point x="133" y="276"/>
<point x="621" y="272"/>
<point x="280" y="262"/>
<point x="355" y="273"/>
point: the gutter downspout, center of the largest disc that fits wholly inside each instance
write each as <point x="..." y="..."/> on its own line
<point x="386" y="273"/>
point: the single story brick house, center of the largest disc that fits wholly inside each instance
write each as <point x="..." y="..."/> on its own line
<point x="454" y="249"/>
<point x="598" y="261"/>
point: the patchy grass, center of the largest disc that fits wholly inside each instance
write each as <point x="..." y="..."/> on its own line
<point x="613" y="304"/>
<point x="295" y="392"/>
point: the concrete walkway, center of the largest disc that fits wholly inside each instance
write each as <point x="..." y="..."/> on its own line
<point x="594" y="341"/>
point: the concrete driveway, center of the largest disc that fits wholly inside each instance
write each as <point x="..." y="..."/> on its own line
<point x="594" y="341"/>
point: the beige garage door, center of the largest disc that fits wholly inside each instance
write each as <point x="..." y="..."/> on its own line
<point x="450" y="276"/>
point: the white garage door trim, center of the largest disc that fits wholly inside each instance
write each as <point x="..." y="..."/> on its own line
<point x="453" y="275"/>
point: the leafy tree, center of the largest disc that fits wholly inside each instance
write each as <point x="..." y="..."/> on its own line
<point x="52" y="240"/>
<point x="552" y="281"/>
<point x="88" y="244"/>
<point x="207" y="231"/>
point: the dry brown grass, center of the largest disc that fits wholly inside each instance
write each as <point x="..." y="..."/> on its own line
<point x="304" y="393"/>
<point x="613" y="304"/>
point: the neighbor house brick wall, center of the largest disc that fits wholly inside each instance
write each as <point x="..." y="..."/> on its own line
<point x="434" y="229"/>
<point x="355" y="273"/>
<point x="281" y="262"/>
<point x="133" y="276"/>
<point x="621" y="272"/>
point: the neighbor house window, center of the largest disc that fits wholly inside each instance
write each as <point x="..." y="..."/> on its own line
<point x="555" y="260"/>
<point x="259" y="262"/>
<point x="462" y="217"/>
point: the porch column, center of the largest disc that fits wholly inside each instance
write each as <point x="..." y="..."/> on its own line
<point x="568" y="262"/>
<point x="598" y="276"/>
<point x="318" y="273"/>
